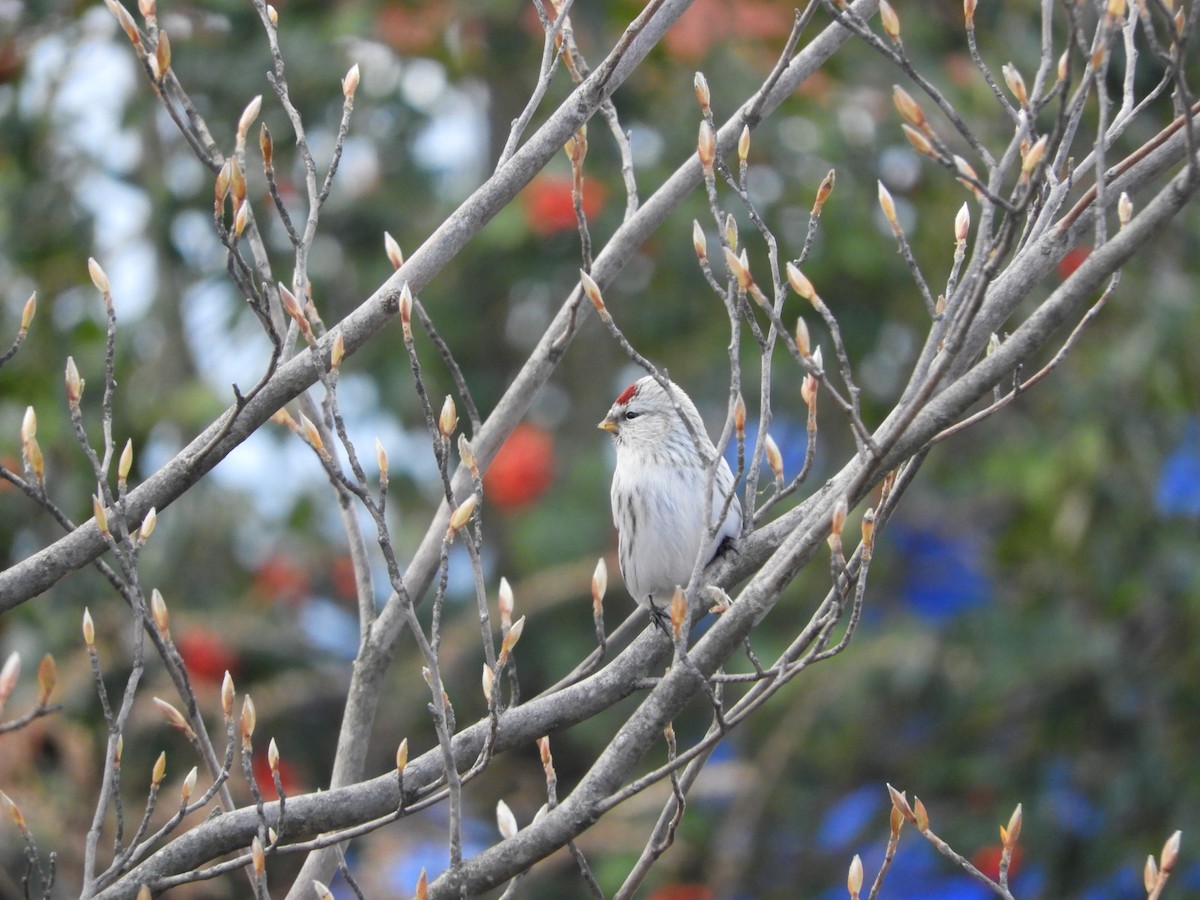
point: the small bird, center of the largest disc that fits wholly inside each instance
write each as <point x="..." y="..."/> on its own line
<point x="659" y="490"/>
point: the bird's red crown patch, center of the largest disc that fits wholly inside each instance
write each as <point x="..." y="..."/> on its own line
<point x="627" y="394"/>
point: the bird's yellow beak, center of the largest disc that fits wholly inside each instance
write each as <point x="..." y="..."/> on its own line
<point x="609" y="424"/>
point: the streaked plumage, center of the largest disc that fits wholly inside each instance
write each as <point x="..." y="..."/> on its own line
<point x="658" y="491"/>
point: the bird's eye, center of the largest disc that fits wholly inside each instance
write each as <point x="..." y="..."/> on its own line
<point x="631" y="414"/>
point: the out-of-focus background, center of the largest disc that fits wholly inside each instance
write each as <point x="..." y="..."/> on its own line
<point x="1030" y="628"/>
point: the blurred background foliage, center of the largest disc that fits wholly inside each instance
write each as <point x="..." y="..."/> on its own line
<point x="1031" y="622"/>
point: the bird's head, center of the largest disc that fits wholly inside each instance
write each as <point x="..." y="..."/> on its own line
<point x="643" y="414"/>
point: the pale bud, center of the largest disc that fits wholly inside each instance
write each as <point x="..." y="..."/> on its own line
<point x="702" y="94"/>
<point x="162" y="55"/>
<point x="488" y="678"/>
<point x="467" y="455"/>
<point x="125" y="462"/>
<point x="962" y="224"/>
<point x="744" y="144"/>
<point x="1063" y="62"/>
<point x="159" y="772"/>
<point x="394" y="254"/>
<point x="739" y="415"/>
<point x="248" y="719"/>
<point x="160" y="614"/>
<point x="249" y="114"/>
<point x="706" y="148"/>
<point x="818" y="360"/>
<point x="900" y="803"/>
<point x="313" y="436"/>
<point x="868" y="533"/>
<point x="808" y="390"/>
<point x="803" y="344"/>
<point x="599" y="584"/>
<point x="1150" y="874"/>
<point x="47" y="678"/>
<point x="731" y="231"/>
<point x="1031" y="159"/>
<point x="148" y="525"/>
<point x="678" y="611"/>
<point x="1010" y="835"/>
<point x="258" y="857"/>
<point x="273" y="755"/>
<point x="221" y="185"/>
<point x="699" y="242"/>
<point x="402" y="756"/>
<point x="267" y="147"/>
<point x="837" y="519"/>
<point x="174" y="717"/>
<point x="462" y="515"/>
<point x="854" y="879"/>
<point x="242" y="218"/>
<point x="510" y="639"/>
<point x="801" y="285"/>
<point x="592" y="291"/>
<point x="1170" y="852"/>
<point x="888" y="205"/>
<point x="381" y="461"/>
<point x="100" y="514"/>
<point x="272" y="14"/>
<point x="969" y="178"/>
<point x="889" y="20"/>
<point x="227" y="694"/>
<point x="406" y="302"/>
<point x="1016" y="84"/>
<point x="189" y="785"/>
<point x="1124" y="209"/>
<point x="237" y="181"/>
<point x="27" y="313"/>
<point x="127" y="24"/>
<point x="919" y="142"/>
<point x="506" y="603"/>
<point x="774" y="459"/>
<point x="908" y="108"/>
<point x="350" y="82"/>
<point x="505" y="820"/>
<point x="14" y="811"/>
<point x="292" y="307"/>
<point x="99" y="279"/>
<point x="9" y="673"/>
<point x="28" y="425"/>
<point x="1116" y="9"/>
<point x="823" y="192"/>
<point x="337" y="352"/>
<point x="448" y="420"/>
<point x="422" y="886"/>
<point x="89" y="629"/>
<point x="737" y="268"/>
<point x="969" y="13"/>
<point x="921" y="815"/>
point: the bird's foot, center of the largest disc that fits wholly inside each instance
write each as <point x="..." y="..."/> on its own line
<point x="659" y="617"/>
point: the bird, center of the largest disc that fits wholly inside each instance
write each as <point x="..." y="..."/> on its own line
<point x="659" y="488"/>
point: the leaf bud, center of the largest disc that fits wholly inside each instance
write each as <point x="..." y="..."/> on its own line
<point x="160" y="614"/>
<point x="699" y="242"/>
<point x="706" y="148"/>
<point x="27" y="312"/>
<point x="448" y="420"/>
<point x="702" y="94"/>
<point x="350" y="82"/>
<point x="47" y="678"/>
<point x="99" y="279"/>
<point x="394" y="254"/>
<point x="505" y="820"/>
